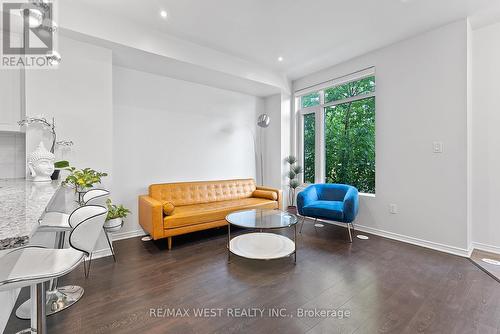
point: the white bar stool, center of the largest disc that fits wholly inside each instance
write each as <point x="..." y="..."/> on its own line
<point x="34" y="265"/>
<point x="99" y="197"/>
<point x="60" y="298"/>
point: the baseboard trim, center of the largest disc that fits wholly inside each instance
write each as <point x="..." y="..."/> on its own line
<point x="97" y="254"/>
<point x="115" y="237"/>
<point x="416" y="241"/>
<point x="486" y="248"/>
<point x="407" y="239"/>
<point x="128" y="234"/>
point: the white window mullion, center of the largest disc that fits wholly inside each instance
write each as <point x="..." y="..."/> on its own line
<point x="320" y="146"/>
<point x="300" y="133"/>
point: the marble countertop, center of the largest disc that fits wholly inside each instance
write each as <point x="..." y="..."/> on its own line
<point x="22" y="203"/>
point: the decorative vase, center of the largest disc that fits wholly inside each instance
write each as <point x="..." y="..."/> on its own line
<point x="113" y="225"/>
<point x="55" y="175"/>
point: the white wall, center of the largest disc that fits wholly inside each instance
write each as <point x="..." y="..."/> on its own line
<point x="169" y="130"/>
<point x="272" y="142"/>
<point x="79" y="96"/>
<point x="486" y="138"/>
<point x="421" y="98"/>
<point x="276" y="142"/>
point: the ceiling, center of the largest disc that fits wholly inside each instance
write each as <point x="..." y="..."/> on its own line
<point x="308" y="34"/>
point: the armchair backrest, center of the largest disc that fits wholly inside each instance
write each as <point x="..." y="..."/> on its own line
<point x="331" y="192"/>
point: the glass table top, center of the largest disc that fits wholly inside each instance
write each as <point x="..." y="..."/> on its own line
<point x="261" y="219"/>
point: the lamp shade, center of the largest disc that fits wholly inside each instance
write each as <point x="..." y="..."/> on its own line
<point x="263" y="121"/>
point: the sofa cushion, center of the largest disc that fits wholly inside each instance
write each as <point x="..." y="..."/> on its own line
<point x="189" y="193"/>
<point x="267" y="194"/>
<point x="168" y="208"/>
<point x="207" y="212"/>
<point x="330" y="210"/>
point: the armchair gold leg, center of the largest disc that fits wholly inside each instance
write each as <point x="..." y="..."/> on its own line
<point x="169" y="243"/>
<point x="350" y="234"/>
<point x="302" y="224"/>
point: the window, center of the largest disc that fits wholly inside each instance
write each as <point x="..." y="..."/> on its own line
<point x="346" y="130"/>
<point x="350" y="89"/>
<point x="310" y="100"/>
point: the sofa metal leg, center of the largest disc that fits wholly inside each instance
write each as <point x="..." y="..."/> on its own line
<point x="169" y="243"/>
<point x="350" y="234"/>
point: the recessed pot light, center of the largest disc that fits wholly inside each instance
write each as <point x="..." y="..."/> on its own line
<point x="280" y="59"/>
<point x="163" y="14"/>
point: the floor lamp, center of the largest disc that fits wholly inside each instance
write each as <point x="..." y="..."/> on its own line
<point x="263" y="122"/>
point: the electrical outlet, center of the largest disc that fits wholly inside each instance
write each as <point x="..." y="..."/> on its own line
<point x="393" y="208"/>
<point x="437" y="147"/>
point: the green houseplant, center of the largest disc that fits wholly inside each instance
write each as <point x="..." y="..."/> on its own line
<point x="114" y="219"/>
<point x="82" y="179"/>
<point x="293" y="181"/>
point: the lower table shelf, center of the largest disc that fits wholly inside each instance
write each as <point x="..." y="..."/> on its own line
<point x="261" y="246"/>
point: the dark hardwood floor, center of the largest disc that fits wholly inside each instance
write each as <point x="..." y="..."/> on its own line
<point x="387" y="286"/>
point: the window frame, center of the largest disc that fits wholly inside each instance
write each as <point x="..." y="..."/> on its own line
<point x="319" y="111"/>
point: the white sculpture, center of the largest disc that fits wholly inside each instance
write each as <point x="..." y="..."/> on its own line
<point x="41" y="164"/>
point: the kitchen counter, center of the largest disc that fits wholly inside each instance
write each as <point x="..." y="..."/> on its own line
<point x="22" y="203"/>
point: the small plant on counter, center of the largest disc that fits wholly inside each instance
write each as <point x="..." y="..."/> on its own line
<point x="81" y="179"/>
<point x="114" y="219"/>
<point x="61" y="164"/>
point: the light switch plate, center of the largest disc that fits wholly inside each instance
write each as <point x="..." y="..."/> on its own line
<point x="393" y="208"/>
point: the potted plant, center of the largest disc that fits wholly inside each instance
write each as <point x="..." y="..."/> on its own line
<point x="58" y="165"/>
<point x="82" y="179"/>
<point x="114" y="219"/>
<point x="293" y="183"/>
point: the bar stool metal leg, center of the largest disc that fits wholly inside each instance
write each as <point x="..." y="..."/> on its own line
<point x="41" y="319"/>
<point x="38" y="319"/>
<point x="58" y="298"/>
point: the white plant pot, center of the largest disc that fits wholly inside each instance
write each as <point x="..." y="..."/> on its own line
<point x="113" y="225"/>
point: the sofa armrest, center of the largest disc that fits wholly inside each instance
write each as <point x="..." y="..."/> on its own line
<point x="151" y="216"/>
<point x="278" y="192"/>
<point x="306" y="196"/>
<point x="351" y="205"/>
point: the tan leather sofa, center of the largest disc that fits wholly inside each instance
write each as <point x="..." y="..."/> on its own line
<point x="173" y="209"/>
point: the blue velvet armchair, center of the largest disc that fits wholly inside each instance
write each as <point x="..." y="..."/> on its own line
<point x="331" y="202"/>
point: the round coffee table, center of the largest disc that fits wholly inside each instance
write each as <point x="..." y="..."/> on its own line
<point x="262" y="245"/>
